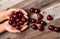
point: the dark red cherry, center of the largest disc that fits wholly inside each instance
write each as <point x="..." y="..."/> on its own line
<point x="33" y="20"/>
<point x="40" y="16"/>
<point x="57" y="29"/>
<point x="37" y="10"/>
<point x="34" y="26"/>
<point x="14" y="24"/>
<point x="21" y="22"/>
<point x="17" y="20"/>
<point x="41" y="28"/>
<point x="51" y="27"/>
<point x="11" y="19"/>
<point x="32" y="10"/>
<point x="49" y="17"/>
<point x="24" y="19"/>
<point x="20" y="14"/>
<point x="38" y="21"/>
<point x="17" y="27"/>
<point x="43" y="23"/>
<point x="10" y="22"/>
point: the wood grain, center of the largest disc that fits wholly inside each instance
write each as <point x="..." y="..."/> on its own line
<point x="30" y="33"/>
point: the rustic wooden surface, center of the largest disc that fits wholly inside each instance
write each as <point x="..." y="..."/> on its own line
<point x="34" y="34"/>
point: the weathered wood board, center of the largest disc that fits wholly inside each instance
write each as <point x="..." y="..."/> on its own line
<point x="30" y="33"/>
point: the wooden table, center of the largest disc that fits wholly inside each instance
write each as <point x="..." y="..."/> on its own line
<point x="30" y="33"/>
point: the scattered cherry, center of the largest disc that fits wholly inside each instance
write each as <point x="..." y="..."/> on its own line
<point x="21" y="22"/>
<point x="34" y="26"/>
<point x="40" y="16"/>
<point x="41" y="28"/>
<point x="32" y="10"/>
<point x="37" y="10"/>
<point x="38" y="21"/>
<point x="33" y="20"/>
<point x="57" y="29"/>
<point x="43" y="23"/>
<point x="49" y="17"/>
<point x="51" y="27"/>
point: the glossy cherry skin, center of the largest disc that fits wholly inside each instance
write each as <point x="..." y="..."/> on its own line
<point x="32" y="10"/>
<point x="17" y="27"/>
<point x="10" y="22"/>
<point x="57" y="29"/>
<point x="17" y="20"/>
<point x="43" y="23"/>
<point x="38" y="21"/>
<point x="33" y="20"/>
<point x="41" y="28"/>
<point x="24" y="19"/>
<point x="34" y="26"/>
<point x="21" y="22"/>
<point x="40" y="16"/>
<point x="37" y="10"/>
<point x="51" y="27"/>
<point x="49" y="17"/>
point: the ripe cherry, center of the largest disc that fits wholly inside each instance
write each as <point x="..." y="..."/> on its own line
<point x="49" y="17"/>
<point x="32" y="10"/>
<point x="37" y="10"/>
<point x="43" y="23"/>
<point x="38" y="21"/>
<point x="57" y="29"/>
<point x="41" y="28"/>
<point x="33" y="20"/>
<point x="24" y="19"/>
<point x="51" y="27"/>
<point x="40" y="16"/>
<point x="34" y="26"/>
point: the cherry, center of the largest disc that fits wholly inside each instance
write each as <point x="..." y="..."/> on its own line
<point x="37" y="10"/>
<point x="10" y="22"/>
<point x="24" y="19"/>
<point x="21" y="22"/>
<point x="17" y="20"/>
<point x="34" y="26"/>
<point x="32" y="10"/>
<point x="14" y="24"/>
<point x="15" y="16"/>
<point x="38" y="21"/>
<point x="33" y="20"/>
<point x="43" y="23"/>
<point x="57" y="29"/>
<point x="11" y="19"/>
<point x="41" y="28"/>
<point x="40" y="16"/>
<point x="20" y="15"/>
<point x="17" y="27"/>
<point x="51" y="27"/>
<point x="49" y="17"/>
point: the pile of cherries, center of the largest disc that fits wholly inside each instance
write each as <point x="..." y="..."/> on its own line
<point x="16" y="19"/>
<point x="41" y="22"/>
